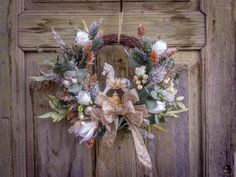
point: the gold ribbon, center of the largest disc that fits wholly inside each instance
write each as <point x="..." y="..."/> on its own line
<point x="134" y="115"/>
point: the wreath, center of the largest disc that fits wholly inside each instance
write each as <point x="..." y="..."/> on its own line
<point x="143" y="103"/>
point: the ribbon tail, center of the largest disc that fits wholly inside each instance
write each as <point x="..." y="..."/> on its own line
<point x="141" y="150"/>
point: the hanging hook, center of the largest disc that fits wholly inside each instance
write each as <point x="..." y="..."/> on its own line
<point x="121" y="5"/>
<point x="120" y="20"/>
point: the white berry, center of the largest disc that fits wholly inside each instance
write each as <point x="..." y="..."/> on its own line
<point x="138" y="82"/>
<point x="139" y="87"/>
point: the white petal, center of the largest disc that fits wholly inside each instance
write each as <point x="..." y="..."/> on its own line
<point x="85" y="128"/>
<point x="88" y="136"/>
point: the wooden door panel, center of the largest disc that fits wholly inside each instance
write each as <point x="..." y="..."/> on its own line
<point x="50" y="150"/>
<point x="66" y="1"/>
<point x="184" y="30"/>
<point x="109" y="6"/>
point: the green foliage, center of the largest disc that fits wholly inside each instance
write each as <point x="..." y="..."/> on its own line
<point x="75" y="88"/>
<point x="147" y="46"/>
<point x="96" y="43"/>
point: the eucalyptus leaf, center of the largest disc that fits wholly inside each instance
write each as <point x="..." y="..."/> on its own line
<point x="157" y="119"/>
<point x="58" y="116"/>
<point x="151" y="104"/>
<point x="69" y="74"/>
<point x="158" y="127"/>
<point x="82" y="75"/>
<point x="53" y="102"/>
<point x="181" y="105"/>
<point x="75" y="88"/>
<point x="38" y="78"/>
<point x="46" y="115"/>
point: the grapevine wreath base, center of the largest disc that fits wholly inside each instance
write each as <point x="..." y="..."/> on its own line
<point x="146" y="101"/>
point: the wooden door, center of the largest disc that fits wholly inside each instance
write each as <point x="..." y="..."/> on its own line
<point x="189" y="148"/>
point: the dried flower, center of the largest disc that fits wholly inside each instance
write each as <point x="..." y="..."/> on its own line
<point x="90" y="57"/>
<point x="88" y="47"/>
<point x="72" y="114"/>
<point x="90" y="142"/>
<point x="141" y="31"/>
<point x="154" y="57"/>
<point x="168" y="53"/>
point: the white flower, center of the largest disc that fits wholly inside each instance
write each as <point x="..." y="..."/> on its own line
<point x="169" y="93"/>
<point x="139" y="87"/>
<point x="169" y="96"/>
<point x="83" y="98"/>
<point x="160" y="106"/>
<point x="82" y="38"/>
<point x="66" y="83"/>
<point x="86" y="131"/>
<point x="140" y="71"/>
<point x="159" y="47"/>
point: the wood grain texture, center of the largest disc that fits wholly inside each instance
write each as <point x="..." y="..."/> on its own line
<point x="98" y="6"/>
<point x="177" y="152"/>
<point x="51" y="150"/>
<point x="219" y="87"/>
<point x="184" y="30"/>
<point x="17" y="79"/>
<point x="5" y="115"/>
<point x="79" y="1"/>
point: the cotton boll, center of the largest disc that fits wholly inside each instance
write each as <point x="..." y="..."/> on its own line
<point x="159" y="47"/>
<point x="82" y="38"/>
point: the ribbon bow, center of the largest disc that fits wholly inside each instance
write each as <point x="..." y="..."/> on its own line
<point x="134" y="115"/>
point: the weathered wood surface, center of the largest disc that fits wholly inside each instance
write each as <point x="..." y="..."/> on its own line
<point x="101" y="6"/>
<point x="17" y="105"/>
<point x="5" y="114"/>
<point x="219" y="87"/>
<point x="51" y="150"/>
<point x="78" y="1"/>
<point x="184" y="30"/>
<point x="183" y="154"/>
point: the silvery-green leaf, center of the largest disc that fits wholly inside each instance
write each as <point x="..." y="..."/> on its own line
<point x="179" y="98"/>
<point x="38" y="78"/>
<point x="46" y="115"/>
<point x="157" y="119"/>
<point x="75" y="88"/>
<point x="181" y="105"/>
<point x="69" y="74"/>
<point x="82" y="75"/>
<point x="154" y="94"/>
<point x="159" y="127"/>
<point x="151" y="104"/>
<point x="53" y="102"/>
<point x="57" y="117"/>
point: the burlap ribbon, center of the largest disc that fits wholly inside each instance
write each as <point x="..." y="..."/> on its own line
<point x="134" y="115"/>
